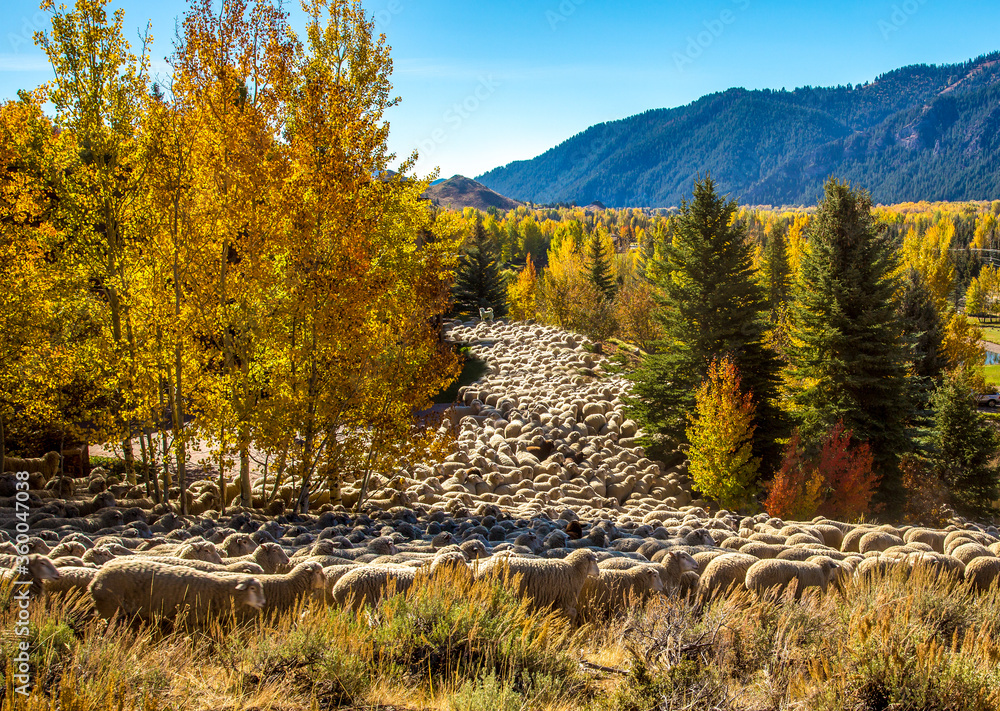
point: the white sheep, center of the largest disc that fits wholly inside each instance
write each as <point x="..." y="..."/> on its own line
<point x="724" y="574"/>
<point x="982" y="572"/>
<point x="284" y="592"/>
<point x="773" y="576"/>
<point x="238" y="544"/>
<point x="70" y="580"/>
<point x="145" y="590"/>
<point x="367" y="584"/>
<point x="269" y="556"/>
<point x="39" y="569"/>
<point x="547" y="582"/>
<point x="612" y="590"/>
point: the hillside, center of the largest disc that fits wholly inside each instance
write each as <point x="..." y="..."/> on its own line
<point x="459" y="191"/>
<point x="917" y="133"/>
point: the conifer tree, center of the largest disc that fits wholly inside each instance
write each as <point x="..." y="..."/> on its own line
<point x="848" y="355"/>
<point x="599" y="267"/>
<point x="922" y="326"/>
<point x="478" y="283"/>
<point x="964" y="445"/>
<point x="776" y="270"/>
<point x="711" y="306"/>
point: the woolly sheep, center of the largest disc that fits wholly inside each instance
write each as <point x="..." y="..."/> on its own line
<point x="98" y="556"/>
<point x="46" y="465"/>
<point x="269" y="556"/>
<point x="877" y="566"/>
<point x="367" y="584"/>
<point x="238" y="544"/>
<point x="776" y="575"/>
<point x="878" y="541"/>
<point x="611" y="590"/>
<point x="333" y="574"/>
<point x="935" y="539"/>
<point x="853" y="537"/>
<point x="723" y="574"/>
<point x="547" y="582"/>
<point x="141" y="589"/>
<point x="967" y="552"/>
<point x="39" y="569"/>
<point x="243" y="566"/>
<point x="71" y="580"/>
<point x="284" y="592"/>
<point x="68" y="549"/>
<point x="982" y="572"/>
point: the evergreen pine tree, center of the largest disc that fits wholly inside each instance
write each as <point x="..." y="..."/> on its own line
<point x="776" y="270"/>
<point x="964" y="444"/>
<point x="711" y="306"/>
<point x="848" y="355"/>
<point x="922" y="327"/>
<point x="478" y="283"/>
<point x="600" y="267"/>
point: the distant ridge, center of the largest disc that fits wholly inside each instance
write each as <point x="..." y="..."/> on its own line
<point x="459" y="192"/>
<point x="917" y="133"/>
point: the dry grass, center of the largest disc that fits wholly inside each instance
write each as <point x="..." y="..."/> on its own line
<point x="891" y="643"/>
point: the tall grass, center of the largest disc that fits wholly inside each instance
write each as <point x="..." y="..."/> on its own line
<point x="896" y="642"/>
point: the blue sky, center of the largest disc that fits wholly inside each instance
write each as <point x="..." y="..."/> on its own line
<point x="486" y="83"/>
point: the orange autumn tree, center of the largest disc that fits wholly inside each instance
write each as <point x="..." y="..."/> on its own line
<point x="836" y="482"/>
<point x="721" y="436"/>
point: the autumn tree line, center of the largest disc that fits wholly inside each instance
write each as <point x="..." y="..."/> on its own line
<point x="219" y="254"/>
<point x="811" y="361"/>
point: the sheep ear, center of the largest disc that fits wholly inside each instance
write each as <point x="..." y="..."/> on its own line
<point x="241" y="586"/>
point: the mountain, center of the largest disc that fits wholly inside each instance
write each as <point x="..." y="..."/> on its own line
<point x="458" y="192"/>
<point x="924" y="132"/>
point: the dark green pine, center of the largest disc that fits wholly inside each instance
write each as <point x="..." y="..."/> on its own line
<point x="848" y="358"/>
<point x="710" y="306"/>
<point x="478" y="283"/>
<point x="600" y="267"/>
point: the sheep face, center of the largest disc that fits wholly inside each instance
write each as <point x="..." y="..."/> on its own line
<point x="687" y="562"/>
<point x="318" y="577"/>
<point x="653" y="580"/>
<point x="42" y="568"/>
<point x="251" y="592"/>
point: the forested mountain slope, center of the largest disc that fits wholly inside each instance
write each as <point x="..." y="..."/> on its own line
<point x="917" y="133"/>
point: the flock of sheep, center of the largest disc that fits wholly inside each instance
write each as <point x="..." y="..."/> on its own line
<point x="547" y="488"/>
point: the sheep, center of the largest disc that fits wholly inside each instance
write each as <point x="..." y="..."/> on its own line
<point x="38" y="570"/>
<point x="46" y="465"/>
<point x="68" y="549"/>
<point x="145" y="590"/>
<point x="284" y="592"/>
<point x="199" y="550"/>
<point x="333" y="574"/>
<point x="878" y="541"/>
<point x="367" y="584"/>
<point x="967" y="552"/>
<point x="935" y="539"/>
<point x="724" y="574"/>
<point x="71" y="580"/>
<point x="243" y="566"/>
<point x="776" y="575"/>
<point x="547" y="582"/>
<point x="982" y="572"/>
<point x="99" y="555"/>
<point x="876" y="566"/>
<point x="71" y="561"/>
<point x="269" y="556"/>
<point x="382" y="545"/>
<point x="236" y="545"/>
<point x="610" y="590"/>
<point x="853" y="537"/>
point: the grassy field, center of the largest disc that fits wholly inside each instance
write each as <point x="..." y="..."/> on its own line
<point x="992" y="373"/>
<point x="449" y="644"/>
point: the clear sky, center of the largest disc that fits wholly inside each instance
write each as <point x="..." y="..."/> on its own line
<point x="485" y="82"/>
